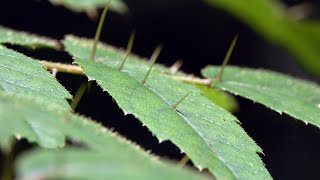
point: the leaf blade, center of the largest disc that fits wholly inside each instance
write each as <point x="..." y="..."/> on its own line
<point x="281" y="93"/>
<point x="20" y="38"/>
<point x="203" y="124"/>
<point x="80" y="164"/>
<point x="23" y="75"/>
<point x="28" y="122"/>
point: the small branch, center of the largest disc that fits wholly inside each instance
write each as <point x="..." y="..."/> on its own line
<point x="191" y="79"/>
<point x="65" y="68"/>
<point x="74" y="69"/>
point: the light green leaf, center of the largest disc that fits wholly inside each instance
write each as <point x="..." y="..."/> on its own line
<point x="109" y="157"/>
<point x="90" y="5"/>
<point x="297" y="98"/>
<point x="218" y="97"/>
<point x="271" y="20"/>
<point x="208" y="134"/>
<point x="23" y="75"/>
<point x="32" y="41"/>
<point x="114" y="163"/>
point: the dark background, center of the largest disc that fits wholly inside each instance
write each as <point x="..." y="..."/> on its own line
<point x="198" y="34"/>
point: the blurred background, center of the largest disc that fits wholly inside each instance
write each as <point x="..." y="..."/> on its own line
<point x="199" y="35"/>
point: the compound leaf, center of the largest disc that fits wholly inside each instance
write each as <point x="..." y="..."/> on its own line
<point x="33" y="120"/>
<point x="32" y="41"/>
<point x="208" y="134"/>
<point x="297" y="98"/>
<point x="23" y="75"/>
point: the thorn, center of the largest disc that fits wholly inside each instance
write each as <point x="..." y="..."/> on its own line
<point x="98" y="32"/>
<point x="156" y="53"/>
<point x="176" y="66"/>
<point x="184" y="97"/>
<point x="18" y="136"/>
<point x="79" y="94"/>
<point x="183" y="161"/>
<point x="199" y="167"/>
<point x="227" y="57"/>
<point x="153" y="59"/>
<point x="129" y="48"/>
<point x="54" y="72"/>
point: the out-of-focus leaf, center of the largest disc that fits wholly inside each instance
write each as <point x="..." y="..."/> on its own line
<point x="271" y="20"/>
<point x="32" y="41"/>
<point x="90" y="5"/>
<point x="116" y="162"/>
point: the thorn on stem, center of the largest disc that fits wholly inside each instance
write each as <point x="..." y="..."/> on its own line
<point x="184" y="97"/>
<point x="176" y="66"/>
<point x="156" y="53"/>
<point x="79" y="94"/>
<point x="148" y="73"/>
<point x="54" y="72"/>
<point x="153" y="59"/>
<point x="98" y="32"/>
<point x="183" y="161"/>
<point x="129" y="48"/>
<point x="227" y="57"/>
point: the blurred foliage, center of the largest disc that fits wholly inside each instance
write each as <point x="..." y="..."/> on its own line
<point x="273" y="21"/>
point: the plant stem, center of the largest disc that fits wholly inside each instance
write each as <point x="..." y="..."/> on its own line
<point x="65" y="68"/>
<point x="74" y="69"/>
<point x="191" y="79"/>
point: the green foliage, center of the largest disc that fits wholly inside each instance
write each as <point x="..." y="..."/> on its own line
<point x="208" y="134"/>
<point x="298" y="98"/>
<point x="32" y="41"/>
<point x="49" y="128"/>
<point x="33" y="104"/>
<point x="115" y="163"/>
<point x="271" y="20"/>
<point x="90" y="5"/>
<point x="218" y="97"/>
<point x="23" y="75"/>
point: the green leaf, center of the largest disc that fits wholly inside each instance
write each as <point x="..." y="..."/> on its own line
<point x="114" y="163"/>
<point x="91" y="5"/>
<point x="295" y="97"/>
<point x="271" y="20"/>
<point x="110" y="156"/>
<point x="23" y="75"/>
<point x="32" y="41"/>
<point x="218" y="97"/>
<point x="208" y="134"/>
